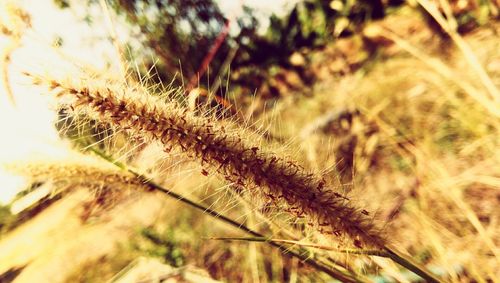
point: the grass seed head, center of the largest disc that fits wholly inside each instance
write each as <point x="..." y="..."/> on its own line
<point x="225" y="150"/>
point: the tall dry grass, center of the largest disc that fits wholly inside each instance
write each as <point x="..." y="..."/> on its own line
<point x="223" y="149"/>
<point x="421" y="131"/>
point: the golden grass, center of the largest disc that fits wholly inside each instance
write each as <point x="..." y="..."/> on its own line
<point x="424" y="137"/>
<point x="244" y="164"/>
<point x="415" y="139"/>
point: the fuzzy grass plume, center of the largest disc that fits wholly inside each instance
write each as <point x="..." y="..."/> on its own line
<point x="106" y="184"/>
<point x="222" y="149"/>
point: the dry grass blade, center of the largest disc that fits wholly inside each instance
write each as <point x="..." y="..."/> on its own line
<point x="449" y="25"/>
<point x="308" y="245"/>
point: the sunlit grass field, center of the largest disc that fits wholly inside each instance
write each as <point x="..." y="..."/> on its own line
<point x="410" y="140"/>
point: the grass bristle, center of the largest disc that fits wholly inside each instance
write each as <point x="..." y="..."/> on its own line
<point x="223" y="149"/>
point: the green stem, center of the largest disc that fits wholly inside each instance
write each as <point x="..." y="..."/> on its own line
<point x="308" y="245"/>
<point x="411" y="265"/>
<point x="388" y="252"/>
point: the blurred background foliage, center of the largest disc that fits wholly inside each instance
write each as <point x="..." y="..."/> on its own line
<point x="181" y="36"/>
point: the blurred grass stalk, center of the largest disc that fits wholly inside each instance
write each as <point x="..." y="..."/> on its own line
<point x="489" y="100"/>
<point x="449" y="25"/>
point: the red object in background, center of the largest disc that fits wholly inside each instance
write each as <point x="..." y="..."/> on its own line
<point x="210" y="56"/>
